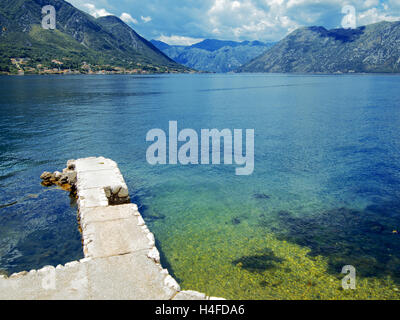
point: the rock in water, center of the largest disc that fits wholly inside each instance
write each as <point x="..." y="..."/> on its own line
<point x="66" y="180"/>
<point x="46" y="175"/>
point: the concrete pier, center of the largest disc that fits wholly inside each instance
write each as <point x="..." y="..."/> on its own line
<point x="121" y="259"/>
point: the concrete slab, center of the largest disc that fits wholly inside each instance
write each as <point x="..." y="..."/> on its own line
<point x="49" y="283"/>
<point x="132" y="276"/>
<point x="124" y="211"/>
<point x="100" y="179"/>
<point x="94" y="164"/>
<point x="190" y="295"/>
<point x="114" y="237"/>
<point x="91" y="198"/>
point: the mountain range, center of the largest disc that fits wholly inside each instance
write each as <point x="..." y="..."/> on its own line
<point x="84" y="44"/>
<point x="214" y="55"/>
<point x="80" y="42"/>
<point x="373" y="48"/>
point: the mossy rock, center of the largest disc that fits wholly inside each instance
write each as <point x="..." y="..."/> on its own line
<point x="3" y="273"/>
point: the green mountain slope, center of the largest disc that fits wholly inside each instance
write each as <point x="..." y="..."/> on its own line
<point x="372" y="48"/>
<point x="80" y="42"/>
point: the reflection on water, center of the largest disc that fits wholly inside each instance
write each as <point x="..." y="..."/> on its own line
<point x="324" y="193"/>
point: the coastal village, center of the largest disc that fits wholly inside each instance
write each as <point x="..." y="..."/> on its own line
<point x="22" y="66"/>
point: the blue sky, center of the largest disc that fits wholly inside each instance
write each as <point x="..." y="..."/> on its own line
<point x="190" y="21"/>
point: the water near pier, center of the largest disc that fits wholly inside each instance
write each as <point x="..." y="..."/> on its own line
<point x="325" y="191"/>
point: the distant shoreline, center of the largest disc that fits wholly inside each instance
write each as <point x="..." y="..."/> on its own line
<point x="202" y="72"/>
<point x="93" y="73"/>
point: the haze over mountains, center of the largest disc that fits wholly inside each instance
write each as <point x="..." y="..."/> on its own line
<point x="214" y="55"/>
<point x="80" y="41"/>
<point x="372" y="48"/>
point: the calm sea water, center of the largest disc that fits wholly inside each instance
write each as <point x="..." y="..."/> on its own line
<point x="325" y="191"/>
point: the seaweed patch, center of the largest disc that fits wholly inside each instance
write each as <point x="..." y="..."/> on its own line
<point x="263" y="261"/>
<point x="365" y="239"/>
<point x="261" y="196"/>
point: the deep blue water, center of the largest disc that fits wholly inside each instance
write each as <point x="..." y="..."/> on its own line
<point x="326" y="178"/>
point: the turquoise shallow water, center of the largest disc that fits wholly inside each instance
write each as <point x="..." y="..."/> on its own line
<point x="324" y="192"/>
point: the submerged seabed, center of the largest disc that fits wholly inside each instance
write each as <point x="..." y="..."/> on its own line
<point x="324" y="193"/>
<point x="253" y="250"/>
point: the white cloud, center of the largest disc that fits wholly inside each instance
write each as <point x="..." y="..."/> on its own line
<point x="250" y="19"/>
<point x="374" y="15"/>
<point x="95" y="12"/>
<point x="371" y="3"/>
<point x="179" y="40"/>
<point x="145" y="19"/>
<point x="395" y="3"/>
<point x="273" y="19"/>
<point x="265" y="20"/>
<point x="127" y="18"/>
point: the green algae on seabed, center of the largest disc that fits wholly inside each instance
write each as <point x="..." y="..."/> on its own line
<point x="223" y="251"/>
<point x="365" y="239"/>
<point x="223" y="267"/>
